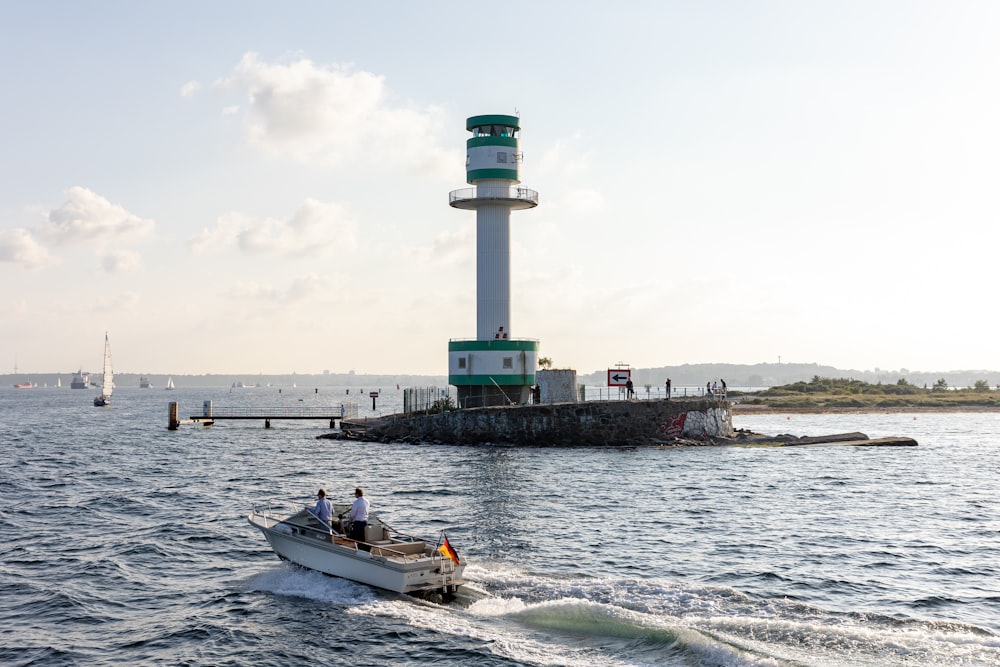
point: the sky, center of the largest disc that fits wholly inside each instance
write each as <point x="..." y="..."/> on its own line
<point x="258" y="187"/>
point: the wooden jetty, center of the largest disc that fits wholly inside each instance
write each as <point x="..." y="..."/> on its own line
<point x="211" y="414"/>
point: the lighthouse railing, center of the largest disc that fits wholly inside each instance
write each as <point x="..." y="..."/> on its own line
<point x="495" y="192"/>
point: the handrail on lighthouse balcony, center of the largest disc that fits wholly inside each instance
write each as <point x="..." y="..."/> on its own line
<point x="469" y="197"/>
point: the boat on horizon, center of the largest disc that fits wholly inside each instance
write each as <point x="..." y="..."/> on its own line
<point x="386" y="559"/>
<point x="22" y="385"/>
<point x="108" y="382"/>
<point x="170" y="382"/>
<point x="144" y="382"/>
<point x="80" y="381"/>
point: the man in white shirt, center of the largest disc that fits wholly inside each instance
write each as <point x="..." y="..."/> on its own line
<point x="359" y="515"/>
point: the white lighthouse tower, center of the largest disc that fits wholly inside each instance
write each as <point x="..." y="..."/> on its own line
<point x="495" y="368"/>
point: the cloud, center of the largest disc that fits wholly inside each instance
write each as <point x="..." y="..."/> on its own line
<point x="315" y="229"/>
<point x="89" y="217"/>
<point x="117" y="303"/>
<point x="301" y="288"/>
<point x="18" y="246"/>
<point x="190" y="88"/>
<point x="567" y="157"/>
<point x="448" y="249"/>
<point x="335" y="115"/>
<point x="121" y="261"/>
<point x="583" y="202"/>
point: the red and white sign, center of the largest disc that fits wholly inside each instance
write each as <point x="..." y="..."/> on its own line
<point x="617" y="377"/>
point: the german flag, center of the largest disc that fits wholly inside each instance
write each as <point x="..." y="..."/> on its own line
<point x="447" y="550"/>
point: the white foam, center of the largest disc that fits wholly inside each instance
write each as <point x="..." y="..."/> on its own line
<point x="500" y="638"/>
<point x="285" y="579"/>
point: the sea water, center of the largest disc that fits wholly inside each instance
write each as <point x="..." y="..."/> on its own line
<point x="124" y="543"/>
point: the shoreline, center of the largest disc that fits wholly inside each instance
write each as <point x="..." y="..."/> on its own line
<point x="739" y="410"/>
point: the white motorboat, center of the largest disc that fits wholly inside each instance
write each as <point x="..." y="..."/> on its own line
<point x="386" y="559"/>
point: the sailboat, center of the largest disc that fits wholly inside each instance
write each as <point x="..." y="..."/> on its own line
<point x="107" y="386"/>
<point x="170" y="382"/>
<point x="58" y="383"/>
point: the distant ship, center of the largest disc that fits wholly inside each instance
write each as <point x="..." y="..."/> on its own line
<point x="80" y="381"/>
<point x="58" y="383"/>
<point x="170" y="383"/>
<point x="144" y="382"/>
<point x="22" y="385"/>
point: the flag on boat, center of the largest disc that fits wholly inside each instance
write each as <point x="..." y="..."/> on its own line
<point x="447" y="550"/>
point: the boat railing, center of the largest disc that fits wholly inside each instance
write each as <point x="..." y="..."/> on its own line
<point x="268" y="515"/>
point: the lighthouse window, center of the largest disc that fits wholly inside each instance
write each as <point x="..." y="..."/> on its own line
<point x="494" y="131"/>
<point x="501" y="156"/>
<point x="508" y="362"/>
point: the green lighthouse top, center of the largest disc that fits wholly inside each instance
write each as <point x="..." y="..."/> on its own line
<point x="493" y="124"/>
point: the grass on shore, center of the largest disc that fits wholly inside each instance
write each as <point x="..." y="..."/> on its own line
<point x="847" y="394"/>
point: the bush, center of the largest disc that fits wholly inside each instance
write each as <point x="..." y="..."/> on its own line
<point x="441" y="405"/>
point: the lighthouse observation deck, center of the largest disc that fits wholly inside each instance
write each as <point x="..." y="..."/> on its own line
<point x="514" y="198"/>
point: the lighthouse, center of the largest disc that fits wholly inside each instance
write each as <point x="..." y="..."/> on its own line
<point x="495" y="368"/>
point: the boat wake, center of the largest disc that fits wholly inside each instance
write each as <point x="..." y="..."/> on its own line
<point x="532" y="619"/>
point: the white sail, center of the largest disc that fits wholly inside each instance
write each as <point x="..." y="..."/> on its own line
<point x="170" y="382"/>
<point x="108" y="386"/>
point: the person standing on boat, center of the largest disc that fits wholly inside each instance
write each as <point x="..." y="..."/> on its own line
<point x="323" y="509"/>
<point x="358" y="516"/>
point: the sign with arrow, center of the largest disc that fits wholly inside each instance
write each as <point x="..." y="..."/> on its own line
<point x="617" y="377"/>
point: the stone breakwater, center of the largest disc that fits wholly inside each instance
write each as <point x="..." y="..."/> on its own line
<point x="593" y="423"/>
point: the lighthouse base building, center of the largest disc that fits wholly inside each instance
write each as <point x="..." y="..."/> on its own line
<point x="485" y="373"/>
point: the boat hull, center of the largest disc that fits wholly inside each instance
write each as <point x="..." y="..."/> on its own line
<point x="333" y="555"/>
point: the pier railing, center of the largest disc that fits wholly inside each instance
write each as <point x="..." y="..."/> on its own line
<point x="342" y="411"/>
<point x="653" y="392"/>
<point x="420" y="399"/>
<point x="210" y="414"/>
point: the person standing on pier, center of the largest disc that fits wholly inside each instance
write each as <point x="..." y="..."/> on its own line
<point x="668" y="389"/>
